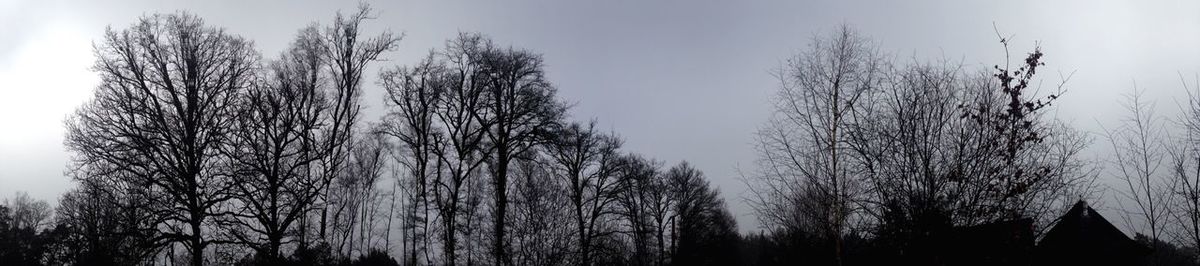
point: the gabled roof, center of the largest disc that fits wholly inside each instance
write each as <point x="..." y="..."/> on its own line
<point x="1082" y="236"/>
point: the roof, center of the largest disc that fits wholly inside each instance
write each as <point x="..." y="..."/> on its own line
<point x="1082" y="236"/>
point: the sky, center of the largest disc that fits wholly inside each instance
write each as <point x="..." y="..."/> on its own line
<point x="678" y="80"/>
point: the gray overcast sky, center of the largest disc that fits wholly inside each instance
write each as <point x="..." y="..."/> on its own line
<point x="679" y="80"/>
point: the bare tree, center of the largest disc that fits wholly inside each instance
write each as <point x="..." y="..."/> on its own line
<point x="635" y="221"/>
<point x="916" y="154"/>
<point x="929" y="167"/>
<point x="25" y="236"/>
<point x="1031" y="164"/>
<point x="28" y="212"/>
<point x="414" y="97"/>
<point x="159" y="115"/>
<point x="437" y="114"/>
<point x="803" y="151"/>
<point x="1139" y="152"/>
<point x="585" y="160"/>
<point x="462" y="150"/>
<point x="348" y="52"/>
<point x="542" y="225"/>
<point x="107" y="224"/>
<point x="1185" y="171"/>
<point x="358" y="194"/>
<point x="906" y="151"/>
<point x="293" y="131"/>
<point x="644" y="203"/>
<point x="519" y="105"/>
<point x="273" y="146"/>
<point x="704" y="231"/>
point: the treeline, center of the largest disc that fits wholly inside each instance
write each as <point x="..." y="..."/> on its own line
<point x="196" y="150"/>
<point x="871" y="160"/>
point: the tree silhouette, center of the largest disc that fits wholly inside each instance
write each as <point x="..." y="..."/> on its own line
<point x="541" y="226"/>
<point x="586" y="161"/>
<point x="805" y="155"/>
<point x="519" y="105"/>
<point x="347" y="52"/>
<point x="159" y="116"/>
<point x="414" y="97"/>
<point x="1029" y="164"/>
<point x="644" y="200"/>
<point x="26" y="237"/>
<point x="1185" y="173"/>
<point x="105" y="225"/>
<point x="705" y="230"/>
<point x="273" y="147"/>
<point x="1139" y="153"/>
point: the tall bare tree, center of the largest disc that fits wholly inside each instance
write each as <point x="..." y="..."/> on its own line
<point x="436" y="111"/>
<point x="804" y="156"/>
<point x="520" y="104"/>
<point x="1031" y="165"/>
<point x="163" y="108"/>
<point x="916" y="147"/>
<point x="462" y="150"/>
<point x="273" y="146"/>
<point x="644" y="202"/>
<point x="347" y="52"/>
<point x="1139" y="153"/>
<point x="1185" y="171"/>
<point x="542" y="225"/>
<point x="586" y="162"/>
<point x="357" y="201"/>
<point x="414" y="96"/>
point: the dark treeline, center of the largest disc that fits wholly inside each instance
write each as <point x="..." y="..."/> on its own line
<point x="196" y="150"/>
<point x="868" y="160"/>
<point x="871" y="160"/>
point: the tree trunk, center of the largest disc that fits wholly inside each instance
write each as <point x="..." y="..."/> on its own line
<point x="276" y="238"/>
<point x="501" y="197"/>
<point x="662" y="252"/>
<point x="583" y="238"/>
<point x="196" y="243"/>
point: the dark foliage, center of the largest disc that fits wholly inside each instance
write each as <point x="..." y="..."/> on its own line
<point x="24" y="245"/>
<point x="1166" y="254"/>
<point x="707" y="233"/>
